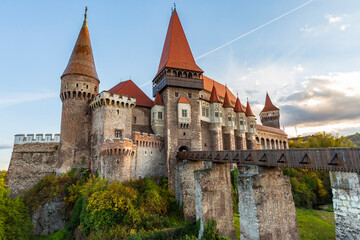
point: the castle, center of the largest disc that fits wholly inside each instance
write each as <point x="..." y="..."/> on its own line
<point x="123" y="134"/>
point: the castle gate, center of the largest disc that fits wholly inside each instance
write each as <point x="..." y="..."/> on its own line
<point x="266" y="206"/>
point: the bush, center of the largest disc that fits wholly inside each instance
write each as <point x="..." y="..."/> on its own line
<point x="211" y="232"/>
<point x="15" y="221"/>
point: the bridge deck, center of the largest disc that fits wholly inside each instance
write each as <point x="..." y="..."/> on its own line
<point x="330" y="159"/>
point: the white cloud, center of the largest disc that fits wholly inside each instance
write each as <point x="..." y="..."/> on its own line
<point x="298" y="68"/>
<point x="333" y="19"/>
<point x="343" y="27"/>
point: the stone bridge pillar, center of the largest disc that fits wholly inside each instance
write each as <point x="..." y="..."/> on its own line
<point x="266" y="206"/>
<point x="346" y="201"/>
<point x="214" y="198"/>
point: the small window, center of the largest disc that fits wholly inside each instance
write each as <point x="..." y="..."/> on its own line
<point x="66" y="85"/>
<point x="95" y="88"/>
<point x="176" y="94"/>
<point x="184" y="113"/>
<point x="203" y="111"/>
<point x="134" y="119"/>
<point x="118" y="133"/>
<point x="87" y="86"/>
<point x="241" y="122"/>
<point x="217" y="114"/>
<point x="251" y="126"/>
<point x="159" y="115"/>
<point x="207" y="112"/>
<point x="229" y="119"/>
<point x="189" y="95"/>
<point x="77" y="85"/>
<point x="118" y="112"/>
<point x="153" y="115"/>
<point x="184" y="133"/>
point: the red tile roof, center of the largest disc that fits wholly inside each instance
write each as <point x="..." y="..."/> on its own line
<point x="130" y="89"/>
<point x="220" y="89"/>
<point x="176" y="51"/>
<point x="227" y="103"/>
<point x="269" y="106"/>
<point x="82" y="59"/>
<point x="248" y="110"/>
<point x="183" y="100"/>
<point x="158" y="100"/>
<point x="238" y="106"/>
<point x="270" y="129"/>
<point x="214" y="96"/>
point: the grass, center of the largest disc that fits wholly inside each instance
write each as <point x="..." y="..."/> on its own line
<point x="59" y="235"/>
<point x="315" y="224"/>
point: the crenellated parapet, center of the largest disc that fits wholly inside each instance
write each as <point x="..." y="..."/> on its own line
<point x="36" y="138"/>
<point x="147" y="140"/>
<point x="125" y="147"/>
<point x="105" y="98"/>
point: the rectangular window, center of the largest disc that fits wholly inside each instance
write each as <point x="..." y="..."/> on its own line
<point x="189" y="95"/>
<point x="184" y="113"/>
<point x="229" y="119"/>
<point x="118" y="133"/>
<point x="207" y="112"/>
<point x="203" y="111"/>
<point x="217" y="114"/>
<point x="159" y="115"/>
<point x="176" y="94"/>
<point x="134" y="119"/>
<point x="241" y="123"/>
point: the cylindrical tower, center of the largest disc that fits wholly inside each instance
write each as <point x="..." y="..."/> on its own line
<point x="79" y="84"/>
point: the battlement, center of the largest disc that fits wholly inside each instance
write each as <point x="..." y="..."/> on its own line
<point x="147" y="140"/>
<point x="105" y="98"/>
<point x="122" y="146"/>
<point x="36" y="138"/>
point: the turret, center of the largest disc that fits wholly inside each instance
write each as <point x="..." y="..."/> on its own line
<point x="79" y="84"/>
<point x="270" y="115"/>
<point x="251" y="124"/>
<point x="228" y="111"/>
<point x="157" y="116"/>
<point x="241" y="123"/>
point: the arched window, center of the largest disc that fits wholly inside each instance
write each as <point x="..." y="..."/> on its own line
<point x="263" y="143"/>
<point x="184" y="149"/>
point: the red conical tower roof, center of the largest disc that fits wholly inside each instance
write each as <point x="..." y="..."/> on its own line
<point x="238" y="106"/>
<point x="227" y="103"/>
<point x="82" y="60"/>
<point x="248" y="110"/>
<point x="269" y="106"/>
<point x="176" y="52"/>
<point x="158" y="100"/>
<point x="214" y="97"/>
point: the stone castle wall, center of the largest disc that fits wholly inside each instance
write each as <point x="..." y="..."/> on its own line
<point x="149" y="159"/>
<point x="30" y="161"/>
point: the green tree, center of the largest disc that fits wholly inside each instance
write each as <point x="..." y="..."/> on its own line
<point x="14" y="218"/>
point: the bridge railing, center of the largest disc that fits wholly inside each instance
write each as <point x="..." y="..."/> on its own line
<point x="330" y="159"/>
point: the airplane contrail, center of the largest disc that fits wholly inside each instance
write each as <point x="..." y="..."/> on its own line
<point x="254" y="30"/>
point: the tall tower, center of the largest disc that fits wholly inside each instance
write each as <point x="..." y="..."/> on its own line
<point x="179" y="81"/>
<point x="270" y="115"/>
<point x="79" y="84"/>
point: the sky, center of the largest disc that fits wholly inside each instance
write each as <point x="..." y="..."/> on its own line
<point x="307" y="60"/>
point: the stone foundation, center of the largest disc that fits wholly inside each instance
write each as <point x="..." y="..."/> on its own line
<point x="346" y="201"/>
<point x="266" y="206"/>
<point x="214" y="199"/>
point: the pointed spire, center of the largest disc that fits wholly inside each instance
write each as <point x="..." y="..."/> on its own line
<point x="158" y="100"/>
<point x="214" y="97"/>
<point x="82" y="60"/>
<point x="227" y="103"/>
<point x="238" y="106"/>
<point x="269" y="106"/>
<point x="248" y="110"/>
<point x="176" y="51"/>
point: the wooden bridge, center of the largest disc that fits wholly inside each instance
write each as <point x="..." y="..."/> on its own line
<point x="329" y="159"/>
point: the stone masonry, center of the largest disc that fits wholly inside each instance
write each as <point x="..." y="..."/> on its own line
<point x="346" y="201"/>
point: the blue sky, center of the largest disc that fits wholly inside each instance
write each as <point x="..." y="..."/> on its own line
<point x="308" y="61"/>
